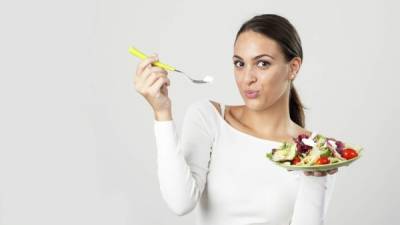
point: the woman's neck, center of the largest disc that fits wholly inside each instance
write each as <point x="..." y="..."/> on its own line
<point x="273" y="121"/>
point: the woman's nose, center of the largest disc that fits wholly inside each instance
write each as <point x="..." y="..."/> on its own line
<point x="250" y="75"/>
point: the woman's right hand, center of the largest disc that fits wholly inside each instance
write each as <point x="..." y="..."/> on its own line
<point x="152" y="82"/>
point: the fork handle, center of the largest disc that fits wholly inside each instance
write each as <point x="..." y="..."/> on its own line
<point x="134" y="51"/>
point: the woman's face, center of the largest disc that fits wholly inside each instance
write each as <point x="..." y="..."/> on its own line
<point x="259" y="65"/>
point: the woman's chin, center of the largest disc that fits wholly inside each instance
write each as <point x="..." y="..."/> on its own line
<point x="254" y="104"/>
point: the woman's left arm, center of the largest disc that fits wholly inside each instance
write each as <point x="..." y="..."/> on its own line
<point x="313" y="197"/>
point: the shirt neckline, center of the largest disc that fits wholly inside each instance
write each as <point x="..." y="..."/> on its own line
<point x="225" y="123"/>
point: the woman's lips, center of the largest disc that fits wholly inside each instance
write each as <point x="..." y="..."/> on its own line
<point x="251" y="94"/>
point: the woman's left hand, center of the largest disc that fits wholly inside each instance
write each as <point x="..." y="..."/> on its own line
<point x="320" y="173"/>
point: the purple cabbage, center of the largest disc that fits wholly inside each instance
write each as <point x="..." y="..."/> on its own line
<point x="340" y="147"/>
<point x="300" y="146"/>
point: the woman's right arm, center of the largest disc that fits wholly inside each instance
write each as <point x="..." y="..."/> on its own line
<point x="182" y="161"/>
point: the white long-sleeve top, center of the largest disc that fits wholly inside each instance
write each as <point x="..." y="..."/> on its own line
<point x="223" y="174"/>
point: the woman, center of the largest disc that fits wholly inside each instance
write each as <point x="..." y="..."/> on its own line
<point x="219" y="159"/>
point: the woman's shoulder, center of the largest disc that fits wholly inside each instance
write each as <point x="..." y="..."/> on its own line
<point x="203" y="112"/>
<point x="220" y="106"/>
<point x="206" y="105"/>
<point x="202" y="104"/>
<point x="216" y="105"/>
<point x="208" y="109"/>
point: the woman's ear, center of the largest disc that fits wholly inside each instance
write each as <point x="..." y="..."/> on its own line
<point x="294" y="65"/>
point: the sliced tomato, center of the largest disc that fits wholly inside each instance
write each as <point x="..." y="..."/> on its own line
<point x="323" y="160"/>
<point x="349" y="153"/>
<point x="296" y="160"/>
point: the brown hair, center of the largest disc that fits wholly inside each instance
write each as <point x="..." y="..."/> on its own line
<point x="283" y="32"/>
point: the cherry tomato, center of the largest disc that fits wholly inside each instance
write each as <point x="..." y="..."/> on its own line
<point x="296" y="160"/>
<point x="323" y="160"/>
<point x="349" y="153"/>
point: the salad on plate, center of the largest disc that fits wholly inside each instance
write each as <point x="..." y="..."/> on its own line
<point x="314" y="153"/>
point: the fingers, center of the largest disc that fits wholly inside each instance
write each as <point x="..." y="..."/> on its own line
<point x="142" y="72"/>
<point x="152" y="74"/>
<point x="333" y="171"/>
<point x="320" y="173"/>
<point x="146" y="63"/>
<point x="308" y="173"/>
<point x="164" y="89"/>
<point x="155" y="89"/>
<point x="315" y="173"/>
<point x="148" y="78"/>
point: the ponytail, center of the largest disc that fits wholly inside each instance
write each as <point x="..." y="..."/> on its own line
<point x="296" y="108"/>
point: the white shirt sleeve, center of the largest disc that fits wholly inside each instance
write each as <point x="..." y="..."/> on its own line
<point x="313" y="199"/>
<point x="183" y="161"/>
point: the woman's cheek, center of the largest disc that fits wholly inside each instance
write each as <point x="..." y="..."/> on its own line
<point x="237" y="77"/>
<point x="272" y="85"/>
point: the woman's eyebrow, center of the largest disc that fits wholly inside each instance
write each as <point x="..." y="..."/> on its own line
<point x="254" y="58"/>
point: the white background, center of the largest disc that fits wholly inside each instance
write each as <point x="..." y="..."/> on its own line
<point x="76" y="139"/>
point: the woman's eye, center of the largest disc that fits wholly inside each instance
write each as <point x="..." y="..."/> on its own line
<point x="263" y="63"/>
<point x="238" y="63"/>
